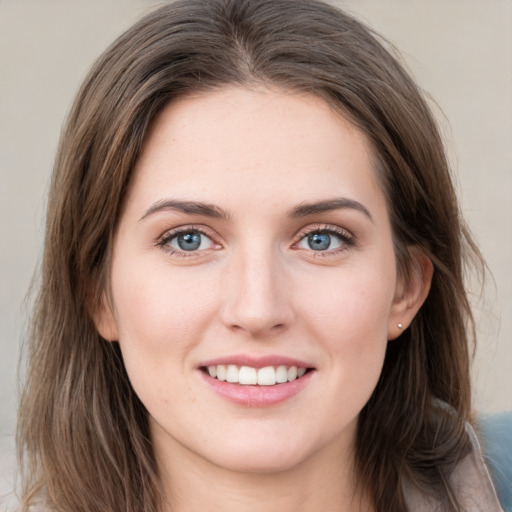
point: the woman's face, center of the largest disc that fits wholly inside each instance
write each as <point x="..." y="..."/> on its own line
<point x="254" y="245"/>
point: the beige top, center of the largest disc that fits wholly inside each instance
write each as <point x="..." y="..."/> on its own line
<point x="471" y="482"/>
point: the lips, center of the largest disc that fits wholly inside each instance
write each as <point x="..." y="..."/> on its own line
<point x="256" y="382"/>
<point x="247" y="375"/>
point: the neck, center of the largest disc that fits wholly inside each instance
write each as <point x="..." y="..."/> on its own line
<point x="325" y="481"/>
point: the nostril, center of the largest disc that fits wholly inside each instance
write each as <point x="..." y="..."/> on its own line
<point x="258" y="328"/>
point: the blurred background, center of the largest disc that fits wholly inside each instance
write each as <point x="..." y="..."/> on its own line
<point x="460" y="52"/>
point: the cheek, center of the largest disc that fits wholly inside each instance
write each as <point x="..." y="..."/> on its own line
<point x="161" y="317"/>
<point x="347" y="312"/>
<point x="345" y="315"/>
<point x="160" y="311"/>
<point x="348" y="304"/>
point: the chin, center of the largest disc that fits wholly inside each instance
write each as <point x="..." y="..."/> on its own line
<point x="246" y="461"/>
<point x="265" y="454"/>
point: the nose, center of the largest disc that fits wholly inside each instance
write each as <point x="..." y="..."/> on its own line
<point x="257" y="295"/>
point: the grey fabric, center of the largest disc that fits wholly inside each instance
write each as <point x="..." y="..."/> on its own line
<point x="471" y="482"/>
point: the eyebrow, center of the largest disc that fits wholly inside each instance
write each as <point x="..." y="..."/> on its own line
<point x="338" y="203"/>
<point x="190" y="207"/>
<point x="214" y="211"/>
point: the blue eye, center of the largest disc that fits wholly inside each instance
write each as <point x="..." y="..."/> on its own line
<point x="325" y="240"/>
<point x="319" y="241"/>
<point x="189" y="241"/>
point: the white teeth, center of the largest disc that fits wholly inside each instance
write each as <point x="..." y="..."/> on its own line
<point x="232" y="373"/>
<point x="281" y="374"/>
<point x="292" y="373"/>
<point x="247" y="376"/>
<point x="221" y="372"/>
<point x="266" y="376"/>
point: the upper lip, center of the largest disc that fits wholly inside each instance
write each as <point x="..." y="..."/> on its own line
<point x="256" y="361"/>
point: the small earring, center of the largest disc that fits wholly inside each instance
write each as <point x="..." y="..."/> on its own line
<point x="400" y="326"/>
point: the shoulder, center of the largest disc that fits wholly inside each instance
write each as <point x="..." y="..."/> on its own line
<point x="495" y="432"/>
<point x="470" y="480"/>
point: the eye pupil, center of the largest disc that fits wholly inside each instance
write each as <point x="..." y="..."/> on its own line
<point x="189" y="241"/>
<point x="319" y="241"/>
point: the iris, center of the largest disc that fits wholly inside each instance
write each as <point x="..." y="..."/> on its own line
<point x="319" y="241"/>
<point x="189" y="241"/>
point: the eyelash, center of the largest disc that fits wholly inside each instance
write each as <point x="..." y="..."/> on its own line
<point x="346" y="238"/>
<point x="170" y="235"/>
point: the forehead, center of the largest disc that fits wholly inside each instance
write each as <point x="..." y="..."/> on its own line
<point x="271" y="142"/>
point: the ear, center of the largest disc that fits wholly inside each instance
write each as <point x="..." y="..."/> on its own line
<point x="411" y="292"/>
<point x="104" y="320"/>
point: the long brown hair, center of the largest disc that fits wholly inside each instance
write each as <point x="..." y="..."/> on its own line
<point x="83" y="434"/>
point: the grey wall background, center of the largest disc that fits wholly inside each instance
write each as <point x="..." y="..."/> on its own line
<point x="460" y="51"/>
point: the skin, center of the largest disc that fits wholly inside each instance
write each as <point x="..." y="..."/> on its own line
<point x="255" y="287"/>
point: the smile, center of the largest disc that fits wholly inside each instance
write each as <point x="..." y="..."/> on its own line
<point x="249" y="376"/>
<point x="257" y="381"/>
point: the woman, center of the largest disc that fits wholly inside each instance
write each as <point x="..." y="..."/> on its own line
<point x="252" y="288"/>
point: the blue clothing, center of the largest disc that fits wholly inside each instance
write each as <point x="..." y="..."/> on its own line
<point x="496" y="438"/>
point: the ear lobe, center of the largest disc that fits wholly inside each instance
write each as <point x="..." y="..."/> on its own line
<point x="410" y="294"/>
<point x="104" y="320"/>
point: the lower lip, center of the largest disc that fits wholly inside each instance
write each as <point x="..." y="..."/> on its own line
<point x="258" y="396"/>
